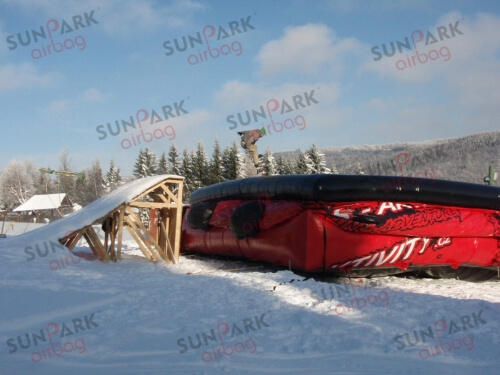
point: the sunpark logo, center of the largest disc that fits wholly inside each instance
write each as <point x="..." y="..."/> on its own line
<point x="225" y="349"/>
<point x="53" y="28"/>
<point x="43" y="250"/>
<point x="55" y="334"/>
<point x="142" y="115"/>
<point x="419" y="36"/>
<point x="275" y="107"/>
<point x="441" y="326"/>
<point x="358" y="302"/>
<point x="210" y="34"/>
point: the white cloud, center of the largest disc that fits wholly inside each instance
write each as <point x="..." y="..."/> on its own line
<point x="305" y="49"/>
<point x="89" y="95"/>
<point x="117" y="17"/>
<point x="26" y="75"/>
<point x="345" y="6"/>
<point x="57" y="106"/>
<point x="237" y="95"/>
<point x="469" y="82"/>
<point x="92" y="95"/>
<point x="464" y="53"/>
<point x="321" y="119"/>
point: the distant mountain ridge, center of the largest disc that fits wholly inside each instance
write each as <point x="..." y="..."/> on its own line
<point x="459" y="159"/>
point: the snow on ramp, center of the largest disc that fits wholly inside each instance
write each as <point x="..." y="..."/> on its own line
<point x="81" y="218"/>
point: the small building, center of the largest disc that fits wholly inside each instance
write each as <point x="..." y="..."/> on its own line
<point x="46" y="206"/>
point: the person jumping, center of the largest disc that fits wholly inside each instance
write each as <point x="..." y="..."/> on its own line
<point x="248" y="140"/>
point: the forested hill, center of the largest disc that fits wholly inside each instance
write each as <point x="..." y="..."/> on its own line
<point x="460" y="159"/>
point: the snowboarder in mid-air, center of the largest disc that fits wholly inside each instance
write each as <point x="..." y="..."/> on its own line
<point x="248" y="140"/>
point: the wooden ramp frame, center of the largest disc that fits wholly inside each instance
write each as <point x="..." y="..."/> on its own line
<point x="159" y="245"/>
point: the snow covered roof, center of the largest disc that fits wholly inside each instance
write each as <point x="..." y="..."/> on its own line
<point x="42" y="202"/>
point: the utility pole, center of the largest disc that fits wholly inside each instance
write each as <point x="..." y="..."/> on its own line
<point x="492" y="176"/>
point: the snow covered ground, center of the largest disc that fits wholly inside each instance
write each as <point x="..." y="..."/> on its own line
<point x="62" y="314"/>
<point x="206" y="316"/>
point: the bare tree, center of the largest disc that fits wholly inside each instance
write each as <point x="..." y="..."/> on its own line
<point x="18" y="183"/>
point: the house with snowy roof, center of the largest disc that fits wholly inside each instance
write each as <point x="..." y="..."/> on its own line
<point x="48" y="206"/>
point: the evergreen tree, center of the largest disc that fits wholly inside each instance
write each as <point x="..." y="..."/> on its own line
<point x="269" y="164"/>
<point x="240" y="161"/>
<point x="113" y="177"/>
<point x="163" y="167"/>
<point x="152" y="162"/>
<point x="228" y="164"/>
<point x="304" y="164"/>
<point x="173" y="160"/>
<point x="200" y="166"/>
<point x="334" y="169"/>
<point x="280" y="165"/>
<point x="358" y="169"/>
<point x="140" y="169"/>
<point x="146" y="164"/>
<point x="290" y="166"/>
<point x="216" y="169"/>
<point x="317" y="160"/>
<point x="187" y="172"/>
<point x="234" y="163"/>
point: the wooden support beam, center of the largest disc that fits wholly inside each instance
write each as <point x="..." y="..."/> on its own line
<point x="170" y="250"/>
<point x="170" y="194"/>
<point x="149" y="204"/>
<point x="120" y="231"/>
<point x="144" y="249"/>
<point x="71" y="240"/>
<point x="106" y="234"/>
<point x="175" y="180"/>
<point x="91" y="244"/>
<point x="112" y="234"/>
<point x="160" y="199"/>
<point x="136" y="224"/>
<point x="178" y="223"/>
<point x="148" y="239"/>
<point x="97" y="243"/>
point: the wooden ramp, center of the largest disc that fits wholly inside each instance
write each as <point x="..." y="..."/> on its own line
<point x="159" y="240"/>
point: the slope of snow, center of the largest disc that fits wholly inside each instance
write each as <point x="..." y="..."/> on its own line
<point x="135" y="317"/>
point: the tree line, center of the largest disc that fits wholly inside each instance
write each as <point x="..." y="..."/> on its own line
<point x="20" y="180"/>
<point x="460" y="159"/>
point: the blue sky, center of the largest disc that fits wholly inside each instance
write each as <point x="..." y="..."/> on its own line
<point x="117" y="65"/>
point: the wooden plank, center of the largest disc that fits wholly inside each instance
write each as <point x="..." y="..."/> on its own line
<point x="162" y="197"/>
<point x="75" y="241"/>
<point x="144" y="193"/>
<point x="170" y="250"/>
<point x="97" y="243"/>
<point x="141" y="240"/>
<point x="120" y="231"/>
<point x="106" y="235"/>
<point x="144" y="250"/>
<point x="149" y="204"/>
<point x="170" y="194"/>
<point x="112" y="235"/>
<point x="136" y="220"/>
<point x="133" y="224"/>
<point x="177" y="241"/>
<point x="91" y="244"/>
<point x="70" y="244"/>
